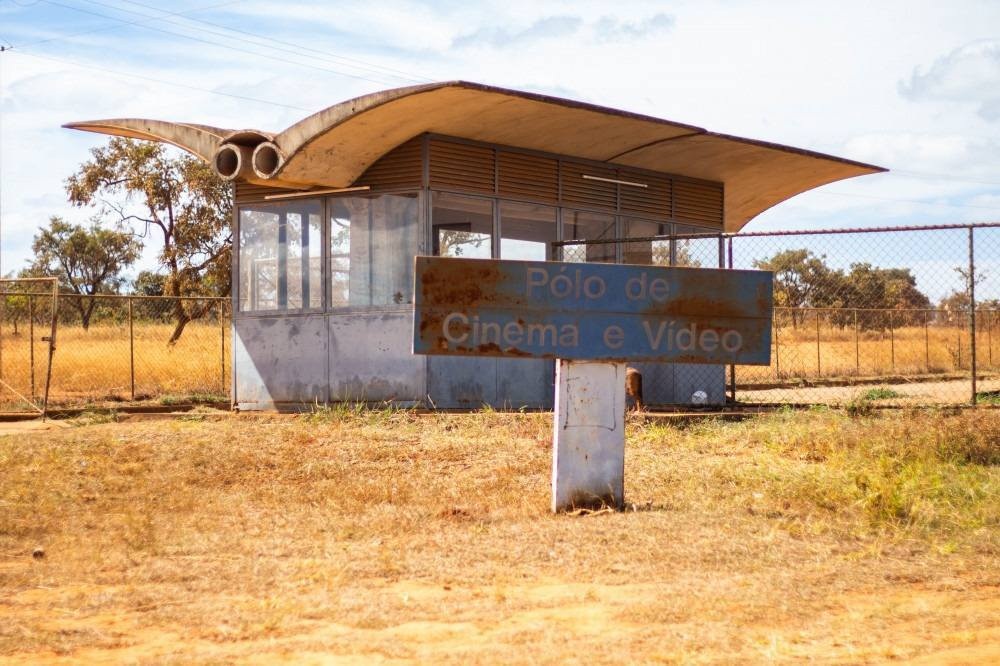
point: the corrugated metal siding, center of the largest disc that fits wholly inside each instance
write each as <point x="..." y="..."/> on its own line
<point x="462" y="166"/>
<point x="399" y="168"/>
<point x="528" y="176"/>
<point x="484" y="169"/>
<point x="698" y="202"/>
<point x="590" y="193"/>
<point x="654" y="200"/>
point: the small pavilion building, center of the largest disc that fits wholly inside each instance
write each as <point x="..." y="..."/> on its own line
<point x="331" y="211"/>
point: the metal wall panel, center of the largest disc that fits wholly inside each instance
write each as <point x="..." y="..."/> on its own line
<point x="370" y="358"/>
<point x="461" y="382"/>
<point x="280" y="360"/>
<point x="525" y="382"/>
<point x="469" y="382"/>
<point x="657" y="382"/>
<point x="691" y="378"/>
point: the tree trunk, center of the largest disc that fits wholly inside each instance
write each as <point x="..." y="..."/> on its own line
<point x="184" y="318"/>
<point x="85" y="311"/>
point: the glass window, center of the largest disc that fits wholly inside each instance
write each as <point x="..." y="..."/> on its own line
<point x="696" y="252"/>
<point x="526" y="231"/>
<point x="585" y="225"/>
<point x="655" y="252"/>
<point x="462" y="226"/>
<point x="372" y="243"/>
<point x="280" y="255"/>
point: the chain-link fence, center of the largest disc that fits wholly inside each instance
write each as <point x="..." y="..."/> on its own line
<point x="28" y="309"/>
<point x="882" y="316"/>
<point x="114" y="349"/>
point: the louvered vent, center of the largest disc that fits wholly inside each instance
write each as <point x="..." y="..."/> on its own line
<point x="591" y="193"/>
<point x="461" y="166"/>
<point x="399" y="168"/>
<point x="528" y="176"/>
<point x="650" y="201"/>
<point x="246" y="192"/>
<point x="698" y="202"/>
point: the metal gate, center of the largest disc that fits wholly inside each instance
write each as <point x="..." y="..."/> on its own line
<point x="29" y="310"/>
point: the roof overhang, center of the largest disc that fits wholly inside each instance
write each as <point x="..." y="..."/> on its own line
<point x="333" y="147"/>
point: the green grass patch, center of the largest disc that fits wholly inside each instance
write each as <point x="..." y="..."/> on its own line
<point x="881" y="393"/>
<point x="988" y="398"/>
<point x="910" y="474"/>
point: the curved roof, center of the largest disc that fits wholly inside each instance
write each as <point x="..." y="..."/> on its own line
<point x="333" y="147"/>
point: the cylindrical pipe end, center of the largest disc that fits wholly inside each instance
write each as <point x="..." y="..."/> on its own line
<point x="267" y="160"/>
<point x="232" y="161"/>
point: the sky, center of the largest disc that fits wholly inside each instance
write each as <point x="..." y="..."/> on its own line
<point x="912" y="86"/>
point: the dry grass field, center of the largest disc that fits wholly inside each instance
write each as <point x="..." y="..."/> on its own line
<point x="349" y="536"/>
<point x="908" y="351"/>
<point x="93" y="366"/>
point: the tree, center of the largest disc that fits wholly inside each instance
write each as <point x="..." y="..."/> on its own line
<point x="148" y="283"/>
<point x="86" y="261"/>
<point x="14" y="307"/>
<point x="801" y="280"/>
<point x="886" y="289"/>
<point x="956" y="305"/>
<point x="178" y="197"/>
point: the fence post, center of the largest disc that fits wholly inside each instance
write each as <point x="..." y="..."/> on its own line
<point x="857" y="346"/>
<point x="777" y="355"/>
<point x="222" y="338"/>
<point x="131" y="351"/>
<point x="31" y="341"/>
<point x="52" y="346"/>
<point x="989" y="336"/>
<point x="927" y="345"/>
<point x="972" y="309"/>
<point x="892" y="343"/>
<point x="819" y="368"/>
<point x="732" y="366"/>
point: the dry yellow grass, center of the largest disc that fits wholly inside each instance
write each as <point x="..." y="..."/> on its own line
<point x="360" y="537"/>
<point x="909" y="351"/>
<point x="93" y="365"/>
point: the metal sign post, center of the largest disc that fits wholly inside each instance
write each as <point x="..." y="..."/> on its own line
<point x="592" y="318"/>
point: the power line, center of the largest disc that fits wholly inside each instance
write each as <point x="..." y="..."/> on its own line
<point x="119" y="23"/>
<point x="942" y="176"/>
<point x="221" y="45"/>
<point x="361" y="64"/>
<point x="909" y="201"/>
<point x="162" y="81"/>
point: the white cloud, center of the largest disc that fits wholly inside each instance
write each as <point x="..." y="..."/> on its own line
<point x="550" y="27"/>
<point x="967" y="74"/>
<point x="611" y="29"/>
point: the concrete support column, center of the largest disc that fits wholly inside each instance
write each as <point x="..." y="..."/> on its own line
<point x="588" y="453"/>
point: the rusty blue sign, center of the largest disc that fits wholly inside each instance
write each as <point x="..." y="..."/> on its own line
<point x="613" y="312"/>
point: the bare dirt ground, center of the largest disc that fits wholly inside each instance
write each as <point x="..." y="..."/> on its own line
<point x="915" y="393"/>
<point x="354" y="537"/>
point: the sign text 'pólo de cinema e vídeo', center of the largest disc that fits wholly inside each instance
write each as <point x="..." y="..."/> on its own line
<point x="540" y="309"/>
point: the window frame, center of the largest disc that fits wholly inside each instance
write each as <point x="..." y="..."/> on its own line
<point x="238" y="264"/>
<point x="418" y="236"/>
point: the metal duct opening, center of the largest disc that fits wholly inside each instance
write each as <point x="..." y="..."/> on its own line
<point x="267" y="159"/>
<point x="232" y="161"/>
